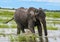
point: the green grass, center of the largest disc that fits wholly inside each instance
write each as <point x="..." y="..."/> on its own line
<point x="6" y="14"/>
<point x="53" y="14"/>
<point x="54" y="22"/>
<point x="4" y="26"/>
<point x="51" y="28"/>
<point x="7" y="26"/>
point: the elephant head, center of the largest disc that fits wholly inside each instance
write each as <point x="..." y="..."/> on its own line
<point x="41" y="17"/>
<point x="32" y="12"/>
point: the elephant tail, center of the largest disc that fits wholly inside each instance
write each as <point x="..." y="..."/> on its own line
<point x="9" y="20"/>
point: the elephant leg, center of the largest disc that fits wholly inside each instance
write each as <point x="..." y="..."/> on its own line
<point x="23" y="31"/>
<point x="31" y="26"/>
<point x="44" y="25"/>
<point x="39" y="28"/>
<point x="18" y="29"/>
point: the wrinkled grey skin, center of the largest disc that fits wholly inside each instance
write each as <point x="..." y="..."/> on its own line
<point x="29" y="18"/>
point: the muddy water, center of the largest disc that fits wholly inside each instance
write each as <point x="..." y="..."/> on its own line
<point x="53" y="35"/>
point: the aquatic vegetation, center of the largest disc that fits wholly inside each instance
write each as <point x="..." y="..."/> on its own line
<point x="52" y="28"/>
<point x="23" y="38"/>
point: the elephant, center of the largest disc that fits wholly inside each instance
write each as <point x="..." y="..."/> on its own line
<point x="29" y="18"/>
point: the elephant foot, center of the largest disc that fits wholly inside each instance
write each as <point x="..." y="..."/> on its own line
<point x="23" y="31"/>
<point x="18" y="32"/>
<point x="45" y="34"/>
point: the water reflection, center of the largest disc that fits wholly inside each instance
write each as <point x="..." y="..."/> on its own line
<point x="43" y="39"/>
<point x="40" y="39"/>
<point x="32" y="39"/>
<point x="46" y="39"/>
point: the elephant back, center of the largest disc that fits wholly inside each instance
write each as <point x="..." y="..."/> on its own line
<point x="20" y="15"/>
